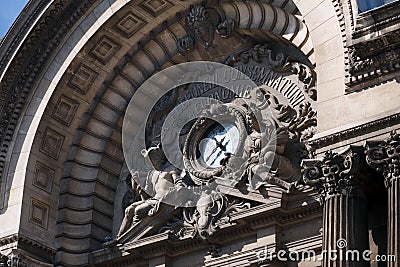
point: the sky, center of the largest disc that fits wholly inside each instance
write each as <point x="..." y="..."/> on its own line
<point x="9" y="11"/>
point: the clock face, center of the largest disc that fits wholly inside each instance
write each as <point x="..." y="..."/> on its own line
<point x="219" y="141"/>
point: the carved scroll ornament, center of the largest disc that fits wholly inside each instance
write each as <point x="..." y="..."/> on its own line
<point x="202" y="25"/>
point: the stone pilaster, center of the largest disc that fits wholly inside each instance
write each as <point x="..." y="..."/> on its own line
<point x="384" y="156"/>
<point x="345" y="220"/>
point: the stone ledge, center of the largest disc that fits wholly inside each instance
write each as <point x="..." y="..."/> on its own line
<point x="366" y="126"/>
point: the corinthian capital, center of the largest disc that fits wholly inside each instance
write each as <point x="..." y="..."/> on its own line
<point x="384" y="157"/>
<point x="335" y="173"/>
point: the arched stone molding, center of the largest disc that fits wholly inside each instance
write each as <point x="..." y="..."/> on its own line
<point x="97" y="128"/>
<point x="325" y="22"/>
<point x="267" y="17"/>
<point x="128" y="76"/>
<point x="20" y="172"/>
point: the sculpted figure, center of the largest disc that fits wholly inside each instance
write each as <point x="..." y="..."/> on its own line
<point x="265" y="162"/>
<point x="158" y="184"/>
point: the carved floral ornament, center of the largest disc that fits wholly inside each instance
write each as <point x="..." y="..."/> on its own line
<point x="203" y="23"/>
<point x="384" y="156"/>
<point x="290" y="128"/>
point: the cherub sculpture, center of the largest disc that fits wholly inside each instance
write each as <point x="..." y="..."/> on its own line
<point x="265" y="162"/>
<point x="159" y="183"/>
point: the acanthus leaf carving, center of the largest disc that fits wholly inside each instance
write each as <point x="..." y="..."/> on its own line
<point x="306" y="75"/>
<point x="304" y="123"/>
<point x="384" y="157"/>
<point x="334" y="174"/>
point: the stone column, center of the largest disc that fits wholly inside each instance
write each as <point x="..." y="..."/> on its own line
<point x="345" y="217"/>
<point x="384" y="156"/>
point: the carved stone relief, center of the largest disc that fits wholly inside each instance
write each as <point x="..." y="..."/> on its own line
<point x="202" y="24"/>
<point x="204" y="219"/>
<point x="372" y="58"/>
<point x="212" y="160"/>
<point x="285" y="97"/>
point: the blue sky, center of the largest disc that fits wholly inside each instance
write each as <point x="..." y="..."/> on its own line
<point x="9" y="11"/>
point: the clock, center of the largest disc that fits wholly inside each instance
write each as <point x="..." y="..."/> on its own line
<point x="220" y="142"/>
<point x="216" y="136"/>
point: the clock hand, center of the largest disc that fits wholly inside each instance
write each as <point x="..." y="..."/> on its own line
<point x="223" y="149"/>
<point x="219" y="143"/>
<point x="219" y="154"/>
<point x="224" y="146"/>
<point x="212" y="152"/>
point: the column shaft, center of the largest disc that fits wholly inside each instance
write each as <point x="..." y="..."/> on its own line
<point x="393" y="222"/>
<point x="345" y="231"/>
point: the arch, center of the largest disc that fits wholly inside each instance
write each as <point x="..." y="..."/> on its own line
<point x="129" y="73"/>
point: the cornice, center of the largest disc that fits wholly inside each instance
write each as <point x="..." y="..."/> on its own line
<point x="372" y="21"/>
<point x="20" y="239"/>
<point x="356" y="131"/>
<point x="20" y="30"/>
<point x="237" y="228"/>
<point x="373" y="59"/>
<point x="374" y="48"/>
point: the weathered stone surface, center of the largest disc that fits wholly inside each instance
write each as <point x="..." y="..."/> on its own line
<point x="69" y="69"/>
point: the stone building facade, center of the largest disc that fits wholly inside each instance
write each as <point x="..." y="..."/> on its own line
<point x="328" y="70"/>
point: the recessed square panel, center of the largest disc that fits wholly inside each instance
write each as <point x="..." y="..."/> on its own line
<point x="43" y="177"/>
<point x="155" y="7"/>
<point x="65" y="110"/>
<point x="83" y="78"/>
<point x="105" y="49"/>
<point x="130" y="24"/>
<point x="52" y="143"/>
<point x="39" y="213"/>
